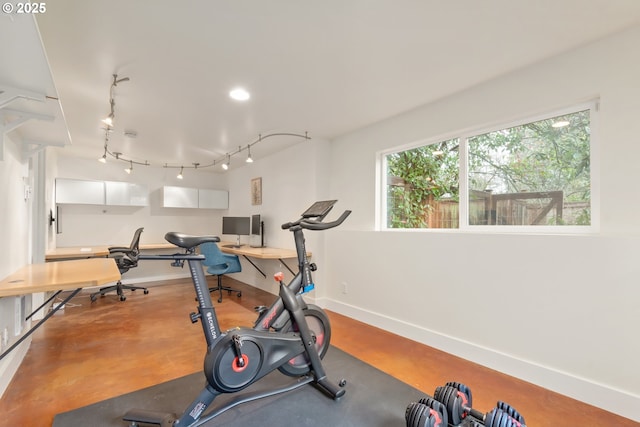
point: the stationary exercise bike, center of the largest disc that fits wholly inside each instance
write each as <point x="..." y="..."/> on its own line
<point x="290" y="335"/>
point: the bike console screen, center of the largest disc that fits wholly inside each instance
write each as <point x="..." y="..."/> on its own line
<point x="319" y="209"/>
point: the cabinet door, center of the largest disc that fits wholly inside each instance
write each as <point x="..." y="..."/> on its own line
<point x="213" y="199"/>
<point x="126" y="194"/>
<point x="180" y="197"/>
<point x="79" y="192"/>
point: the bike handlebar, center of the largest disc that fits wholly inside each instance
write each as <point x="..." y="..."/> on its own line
<point x="310" y="224"/>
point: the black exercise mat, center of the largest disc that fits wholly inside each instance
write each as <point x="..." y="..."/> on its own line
<point x="372" y="399"/>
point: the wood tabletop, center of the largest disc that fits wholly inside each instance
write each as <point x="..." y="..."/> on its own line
<point x="79" y="252"/>
<point x="76" y="252"/>
<point x="261" y="253"/>
<point x="63" y="275"/>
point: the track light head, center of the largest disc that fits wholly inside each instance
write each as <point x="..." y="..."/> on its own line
<point x="249" y="158"/>
<point x="108" y="120"/>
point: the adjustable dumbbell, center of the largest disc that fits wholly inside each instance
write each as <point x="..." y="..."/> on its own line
<point x="427" y="412"/>
<point x="456" y="398"/>
<point x="504" y="415"/>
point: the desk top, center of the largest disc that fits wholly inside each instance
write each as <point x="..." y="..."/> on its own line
<point x="102" y="251"/>
<point x="79" y="252"/>
<point x="261" y="253"/>
<point x="54" y="276"/>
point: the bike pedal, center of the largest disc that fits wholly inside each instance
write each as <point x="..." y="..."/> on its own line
<point x="260" y="309"/>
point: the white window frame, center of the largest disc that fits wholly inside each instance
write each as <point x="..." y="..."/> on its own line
<point x="594" y="227"/>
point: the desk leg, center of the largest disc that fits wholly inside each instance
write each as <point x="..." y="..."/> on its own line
<point x="47" y="316"/>
<point x="262" y="272"/>
<point x="256" y="267"/>
<point x="43" y="304"/>
<point x="285" y="264"/>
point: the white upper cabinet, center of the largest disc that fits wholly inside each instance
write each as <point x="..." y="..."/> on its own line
<point x="126" y="194"/>
<point x="111" y="193"/>
<point x="77" y="191"/>
<point x="179" y="197"/>
<point x="183" y="197"/>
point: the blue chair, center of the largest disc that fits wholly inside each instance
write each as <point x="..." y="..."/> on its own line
<point x="219" y="264"/>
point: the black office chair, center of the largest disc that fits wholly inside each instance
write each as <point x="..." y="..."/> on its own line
<point x="126" y="258"/>
<point x="218" y="264"/>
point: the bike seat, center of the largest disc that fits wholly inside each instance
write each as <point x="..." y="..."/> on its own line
<point x="187" y="241"/>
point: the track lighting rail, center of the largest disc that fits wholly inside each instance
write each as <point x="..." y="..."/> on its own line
<point x="224" y="160"/>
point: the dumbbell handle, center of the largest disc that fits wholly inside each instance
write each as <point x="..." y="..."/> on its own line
<point x="479" y="415"/>
<point x="475" y="413"/>
<point x="482" y="416"/>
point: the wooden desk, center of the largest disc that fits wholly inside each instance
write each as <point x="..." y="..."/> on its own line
<point x="60" y="276"/>
<point x="79" y="252"/>
<point x="260" y="253"/>
<point x="57" y="276"/>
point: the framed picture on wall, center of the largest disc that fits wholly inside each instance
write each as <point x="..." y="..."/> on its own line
<point x="256" y="191"/>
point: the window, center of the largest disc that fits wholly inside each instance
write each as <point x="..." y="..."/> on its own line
<point x="422" y="186"/>
<point x="533" y="174"/>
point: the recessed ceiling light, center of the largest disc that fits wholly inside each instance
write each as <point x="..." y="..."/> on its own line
<point x="239" y="94"/>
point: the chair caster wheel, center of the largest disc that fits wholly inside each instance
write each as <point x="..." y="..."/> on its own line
<point x="239" y="294"/>
<point x="93" y="298"/>
<point x="122" y="298"/>
<point x="219" y="299"/>
<point x="146" y="291"/>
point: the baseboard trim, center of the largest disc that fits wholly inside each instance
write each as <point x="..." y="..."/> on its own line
<point x="10" y="364"/>
<point x="582" y="389"/>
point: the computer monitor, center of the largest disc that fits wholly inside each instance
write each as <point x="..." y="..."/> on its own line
<point x="257" y="230"/>
<point x="238" y="225"/>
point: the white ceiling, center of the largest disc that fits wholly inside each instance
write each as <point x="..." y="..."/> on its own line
<point x="323" y="67"/>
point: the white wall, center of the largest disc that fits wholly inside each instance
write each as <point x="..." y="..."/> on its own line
<point x="291" y="181"/>
<point x="558" y="311"/>
<point x="14" y="229"/>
